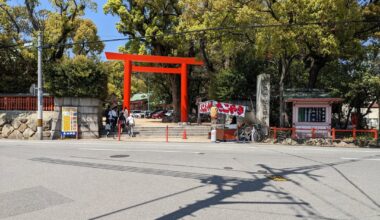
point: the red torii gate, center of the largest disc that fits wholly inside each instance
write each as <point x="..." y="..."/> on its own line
<point x="129" y="68"/>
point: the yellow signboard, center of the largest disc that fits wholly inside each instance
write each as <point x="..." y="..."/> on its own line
<point x="69" y="121"/>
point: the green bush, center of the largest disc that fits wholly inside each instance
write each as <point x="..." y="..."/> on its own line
<point x="77" y="77"/>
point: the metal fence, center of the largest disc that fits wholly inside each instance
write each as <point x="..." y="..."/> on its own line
<point x="25" y="103"/>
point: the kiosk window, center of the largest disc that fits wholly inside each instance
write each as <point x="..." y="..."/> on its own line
<point x="312" y="115"/>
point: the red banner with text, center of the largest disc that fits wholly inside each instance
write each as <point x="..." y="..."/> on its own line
<point x="223" y="108"/>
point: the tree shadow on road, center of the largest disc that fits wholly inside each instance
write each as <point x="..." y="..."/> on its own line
<point x="262" y="184"/>
<point x="227" y="187"/>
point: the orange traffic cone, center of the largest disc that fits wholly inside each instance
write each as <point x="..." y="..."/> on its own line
<point x="184" y="135"/>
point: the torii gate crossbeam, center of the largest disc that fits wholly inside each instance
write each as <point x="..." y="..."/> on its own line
<point x="129" y="68"/>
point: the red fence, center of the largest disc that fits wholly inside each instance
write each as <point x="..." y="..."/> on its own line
<point x="25" y="103"/>
<point x="333" y="132"/>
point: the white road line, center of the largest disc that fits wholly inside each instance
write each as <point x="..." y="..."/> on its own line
<point x="353" y="158"/>
<point x="317" y="149"/>
<point x="335" y="150"/>
<point x="349" y="158"/>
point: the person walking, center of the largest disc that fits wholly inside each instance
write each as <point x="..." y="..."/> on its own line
<point x="112" y="117"/>
<point x="122" y="121"/>
<point x="131" y="125"/>
<point x="108" y="127"/>
<point x="126" y="115"/>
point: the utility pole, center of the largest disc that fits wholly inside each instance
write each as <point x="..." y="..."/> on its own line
<point x="148" y="96"/>
<point x="39" y="86"/>
<point x="378" y="114"/>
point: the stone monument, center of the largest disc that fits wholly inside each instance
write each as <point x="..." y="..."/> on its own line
<point x="263" y="99"/>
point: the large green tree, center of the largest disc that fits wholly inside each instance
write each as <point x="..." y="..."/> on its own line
<point x="282" y="33"/>
<point x="64" y="29"/>
<point x="65" y="25"/>
<point x="150" y="25"/>
<point x="78" y="77"/>
<point x="17" y="63"/>
<point x="357" y="80"/>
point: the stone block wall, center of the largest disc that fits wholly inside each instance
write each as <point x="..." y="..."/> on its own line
<point x="23" y="124"/>
<point x="89" y="116"/>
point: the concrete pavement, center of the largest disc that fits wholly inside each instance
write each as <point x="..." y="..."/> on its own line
<point x="155" y="180"/>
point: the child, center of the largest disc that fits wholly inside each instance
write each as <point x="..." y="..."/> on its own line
<point x="131" y="124"/>
<point x="108" y="128"/>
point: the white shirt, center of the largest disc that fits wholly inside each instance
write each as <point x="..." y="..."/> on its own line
<point x="131" y="120"/>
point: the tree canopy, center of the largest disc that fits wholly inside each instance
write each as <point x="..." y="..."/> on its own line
<point x="61" y="27"/>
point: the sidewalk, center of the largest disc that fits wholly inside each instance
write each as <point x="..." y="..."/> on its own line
<point x="190" y="139"/>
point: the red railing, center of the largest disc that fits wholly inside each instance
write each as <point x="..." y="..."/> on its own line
<point x="333" y="132"/>
<point x="25" y="103"/>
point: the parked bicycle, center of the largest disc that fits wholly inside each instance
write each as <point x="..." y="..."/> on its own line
<point x="253" y="132"/>
<point x="259" y="133"/>
<point x="244" y="133"/>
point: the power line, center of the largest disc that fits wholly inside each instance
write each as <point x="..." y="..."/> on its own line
<point x="218" y="29"/>
<point x="255" y="26"/>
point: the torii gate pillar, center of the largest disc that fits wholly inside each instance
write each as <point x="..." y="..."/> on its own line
<point x="184" y="96"/>
<point x="127" y="85"/>
<point x="129" y="68"/>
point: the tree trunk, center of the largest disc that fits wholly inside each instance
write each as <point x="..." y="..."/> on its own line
<point x="175" y="89"/>
<point x="360" y="118"/>
<point x="208" y="63"/>
<point x="161" y="50"/>
<point x="281" y="93"/>
<point x="284" y="66"/>
<point x="315" y="64"/>
<point x="340" y="119"/>
<point x="348" y="117"/>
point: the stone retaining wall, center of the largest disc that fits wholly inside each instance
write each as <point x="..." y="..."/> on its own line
<point x="22" y="124"/>
<point x="89" y="116"/>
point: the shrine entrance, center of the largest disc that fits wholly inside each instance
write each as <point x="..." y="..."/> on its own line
<point x="129" y="68"/>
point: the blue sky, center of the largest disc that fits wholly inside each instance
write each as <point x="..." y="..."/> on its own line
<point x="106" y="24"/>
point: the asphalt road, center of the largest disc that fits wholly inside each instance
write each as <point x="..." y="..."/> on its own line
<point x="137" y="180"/>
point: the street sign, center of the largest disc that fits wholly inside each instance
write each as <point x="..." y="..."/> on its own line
<point x="69" y="121"/>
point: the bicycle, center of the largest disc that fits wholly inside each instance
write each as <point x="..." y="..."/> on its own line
<point x="258" y="134"/>
<point x="244" y="133"/>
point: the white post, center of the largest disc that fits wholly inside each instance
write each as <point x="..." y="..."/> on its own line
<point x="39" y="86"/>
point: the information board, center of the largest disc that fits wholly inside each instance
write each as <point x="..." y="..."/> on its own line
<point x="69" y="121"/>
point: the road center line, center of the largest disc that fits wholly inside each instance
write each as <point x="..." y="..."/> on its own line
<point x="353" y="158"/>
<point x="343" y="150"/>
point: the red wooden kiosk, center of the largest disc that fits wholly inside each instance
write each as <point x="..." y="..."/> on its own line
<point x="129" y="68"/>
